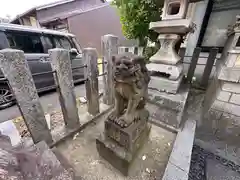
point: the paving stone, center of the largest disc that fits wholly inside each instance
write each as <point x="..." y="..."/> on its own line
<point x="231" y="87"/>
<point x="218" y="105"/>
<point x="224" y="96"/>
<point x="232" y="109"/>
<point x="235" y="99"/>
<point x="229" y="74"/>
<point x="231" y="60"/>
<point x="216" y="171"/>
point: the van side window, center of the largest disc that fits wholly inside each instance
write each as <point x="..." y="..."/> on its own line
<point x="27" y="42"/>
<point x="62" y="42"/>
<point x="48" y="42"/>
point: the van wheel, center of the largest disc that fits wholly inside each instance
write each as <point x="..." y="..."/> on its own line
<point x="6" y="98"/>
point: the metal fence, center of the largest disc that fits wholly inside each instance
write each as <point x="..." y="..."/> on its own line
<point x="205" y="75"/>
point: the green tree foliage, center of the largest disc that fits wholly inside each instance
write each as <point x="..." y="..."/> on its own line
<point x="135" y="17"/>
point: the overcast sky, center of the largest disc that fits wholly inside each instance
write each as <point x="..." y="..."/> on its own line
<point x="15" y="7"/>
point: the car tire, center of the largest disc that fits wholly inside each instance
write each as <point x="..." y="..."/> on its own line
<point x="6" y="97"/>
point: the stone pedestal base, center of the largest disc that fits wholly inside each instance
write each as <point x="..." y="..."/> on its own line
<point x="118" y="156"/>
<point x="168" y="108"/>
<point x="165" y="85"/>
<point x="127" y="137"/>
<point x="119" y="146"/>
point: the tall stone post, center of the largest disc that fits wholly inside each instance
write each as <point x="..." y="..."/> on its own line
<point x="15" y="68"/>
<point x="91" y="58"/>
<point x="109" y="48"/>
<point x="61" y="63"/>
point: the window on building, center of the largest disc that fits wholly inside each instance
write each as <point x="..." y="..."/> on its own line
<point x="27" y="42"/>
<point x="219" y="16"/>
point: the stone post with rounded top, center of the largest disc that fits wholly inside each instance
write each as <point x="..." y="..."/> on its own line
<point x="15" y="68"/>
<point x="109" y="48"/>
<point x="61" y="63"/>
<point x="90" y="56"/>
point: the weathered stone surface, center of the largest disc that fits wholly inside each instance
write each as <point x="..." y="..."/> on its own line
<point x="166" y="54"/>
<point x="164" y="115"/>
<point x="232" y="109"/>
<point x="176" y="26"/>
<point x="211" y="120"/>
<point x="222" y="125"/>
<point x="226" y="107"/>
<point x="173" y="172"/>
<point x="173" y="71"/>
<point x="41" y="163"/>
<point x="109" y="48"/>
<point x="218" y="105"/>
<point x="229" y="74"/>
<point x="165" y="85"/>
<point x="127" y="137"/>
<point x="29" y="162"/>
<point x="16" y="70"/>
<point x="231" y="60"/>
<point x="172" y="101"/>
<point x="182" y="148"/>
<point x="118" y="156"/>
<point x="9" y="166"/>
<point x="168" y="108"/>
<point x="131" y="80"/>
<point x="167" y="10"/>
<point x="231" y="87"/>
<point x="126" y="127"/>
<point x="217" y="171"/>
<point x="235" y="99"/>
<point x="231" y="125"/>
<point x="91" y="58"/>
<point x="61" y="63"/>
<point x="224" y="96"/>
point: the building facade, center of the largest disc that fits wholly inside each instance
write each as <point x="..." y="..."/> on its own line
<point x="87" y="19"/>
<point x="212" y="19"/>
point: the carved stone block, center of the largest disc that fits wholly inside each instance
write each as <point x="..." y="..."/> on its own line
<point x="127" y="137"/>
<point x="118" y="156"/>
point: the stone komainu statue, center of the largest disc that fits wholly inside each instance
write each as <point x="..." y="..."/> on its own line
<point x="131" y="80"/>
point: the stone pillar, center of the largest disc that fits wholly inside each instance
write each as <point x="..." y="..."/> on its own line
<point x="16" y="70"/>
<point x="222" y="100"/>
<point x="90" y="57"/>
<point x="61" y="63"/>
<point x="109" y="48"/>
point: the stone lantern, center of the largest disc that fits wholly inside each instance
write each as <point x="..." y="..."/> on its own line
<point x="166" y="65"/>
